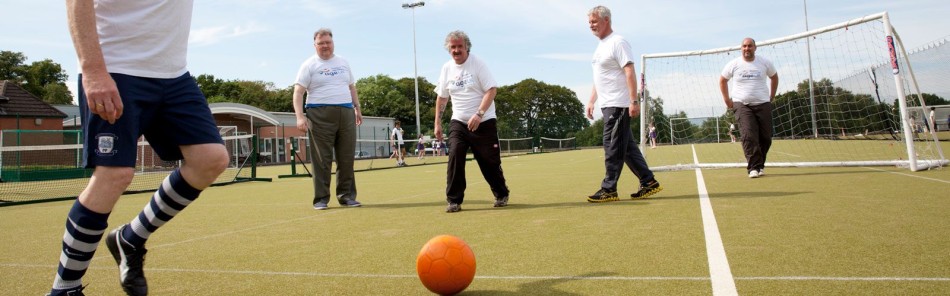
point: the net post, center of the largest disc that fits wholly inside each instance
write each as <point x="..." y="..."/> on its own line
<point x="902" y="101"/>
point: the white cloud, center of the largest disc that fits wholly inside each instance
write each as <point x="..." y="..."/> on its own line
<point x="213" y="35"/>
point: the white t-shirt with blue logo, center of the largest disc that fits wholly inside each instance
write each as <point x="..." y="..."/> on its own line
<point x="466" y="85"/>
<point x="326" y="81"/>
<point x="750" y="86"/>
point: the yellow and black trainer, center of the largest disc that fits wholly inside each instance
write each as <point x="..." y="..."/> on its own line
<point x="652" y="187"/>
<point x="603" y="195"/>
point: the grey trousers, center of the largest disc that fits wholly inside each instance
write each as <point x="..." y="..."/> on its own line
<point x="332" y="130"/>
<point x="755" y="127"/>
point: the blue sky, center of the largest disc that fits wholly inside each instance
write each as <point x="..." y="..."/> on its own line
<point x="549" y="41"/>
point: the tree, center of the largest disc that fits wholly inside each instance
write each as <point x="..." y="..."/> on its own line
<point x="836" y="110"/>
<point x="263" y="95"/>
<point x="383" y="96"/>
<point x="929" y="99"/>
<point x="531" y="108"/>
<point x="592" y="135"/>
<point x="44" y="79"/>
<point x="11" y="66"/>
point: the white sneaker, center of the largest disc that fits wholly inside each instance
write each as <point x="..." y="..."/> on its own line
<point x="761" y="172"/>
<point x="753" y="174"/>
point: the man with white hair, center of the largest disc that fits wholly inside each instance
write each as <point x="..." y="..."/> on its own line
<point x="467" y="82"/>
<point x="615" y="89"/>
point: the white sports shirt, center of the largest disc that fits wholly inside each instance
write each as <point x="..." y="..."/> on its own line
<point x="144" y="38"/>
<point x="751" y="85"/>
<point x="611" y="55"/>
<point x="326" y="81"/>
<point x="466" y="85"/>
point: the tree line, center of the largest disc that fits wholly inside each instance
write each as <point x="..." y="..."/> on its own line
<point x="44" y="79"/>
<point x="836" y="109"/>
<point x="529" y="108"/>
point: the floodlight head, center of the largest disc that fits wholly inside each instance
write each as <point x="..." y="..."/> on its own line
<point x="413" y="5"/>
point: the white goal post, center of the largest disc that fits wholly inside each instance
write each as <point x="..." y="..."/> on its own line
<point x="833" y="106"/>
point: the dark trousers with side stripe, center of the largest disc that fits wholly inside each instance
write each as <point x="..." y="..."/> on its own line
<point x="620" y="148"/>
<point x="755" y="126"/>
<point x="484" y="144"/>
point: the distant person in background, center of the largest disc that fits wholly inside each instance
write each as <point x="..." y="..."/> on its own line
<point x="396" y="140"/>
<point x="421" y="147"/>
<point x="134" y="81"/>
<point x="933" y="121"/>
<point x="652" y="136"/>
<point x="436" y="147"/>
<point x="948" y="121"/>
<point x="465" y="80"/>
<point x="752" y="101"/>
<point x="332" y="115"/>
<point x="615" y="88"/>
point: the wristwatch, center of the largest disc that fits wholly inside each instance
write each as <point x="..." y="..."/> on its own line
<point x="480" y="113"/>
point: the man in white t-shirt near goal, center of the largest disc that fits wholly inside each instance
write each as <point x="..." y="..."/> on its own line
<point x="751" y="99"/>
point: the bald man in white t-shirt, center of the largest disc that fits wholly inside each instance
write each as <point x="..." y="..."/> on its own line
<point x="751" y="98"/>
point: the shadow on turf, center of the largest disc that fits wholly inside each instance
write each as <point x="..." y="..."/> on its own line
<point x="486" y="205"/>
<point x="541" y="287"/>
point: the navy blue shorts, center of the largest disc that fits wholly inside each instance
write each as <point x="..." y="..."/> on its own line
<point x="168" y="112"/>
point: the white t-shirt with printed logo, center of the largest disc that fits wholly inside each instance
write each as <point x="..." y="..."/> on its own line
<point x="326" y="81"/>
<point x="610" y="81"/>
<point x="750" y="86"/>
<point x="466" y="85"/>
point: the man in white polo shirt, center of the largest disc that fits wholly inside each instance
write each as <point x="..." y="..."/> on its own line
<point x="752" y="101"/>
<point x="467" y="82"/>
<point x="615" y="88"/>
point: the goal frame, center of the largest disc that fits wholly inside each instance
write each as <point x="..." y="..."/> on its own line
<point x="891" y="39"/>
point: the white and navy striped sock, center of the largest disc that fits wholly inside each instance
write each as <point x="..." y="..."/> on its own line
<point x="173" y="196"/>
<point x="84" y="229"/>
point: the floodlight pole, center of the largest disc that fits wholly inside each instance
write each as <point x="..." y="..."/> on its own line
<point x="415" y="63"/>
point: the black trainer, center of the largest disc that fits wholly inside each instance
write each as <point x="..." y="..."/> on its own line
<point x="646" y="191"/>
<point x="603" y="195"/>
<point x="501" y="202"/>
<point x="77" y="291"/>
<point x="453" y="207"/>
<point x="130" y="260"/>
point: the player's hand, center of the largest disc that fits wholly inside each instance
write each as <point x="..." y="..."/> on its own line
<point x="359" y="116"/>
<point x="590" y="112"/>
<point x="302" y="123"/>
<point x="473" y="122"/>
<point x="438" y="132"/>
<point x="634" y="110"/>
<point x="102" y="96"/>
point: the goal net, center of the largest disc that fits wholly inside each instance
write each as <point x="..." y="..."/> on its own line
<point x="38" y="165"/>
<point x="846" y="97"/>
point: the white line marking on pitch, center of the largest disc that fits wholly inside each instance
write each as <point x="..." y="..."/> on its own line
<point x="514" y="277"/>
<point x="789" y="154"/>
<point x="719" y="272"/>
<point x="909" y="175"/>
